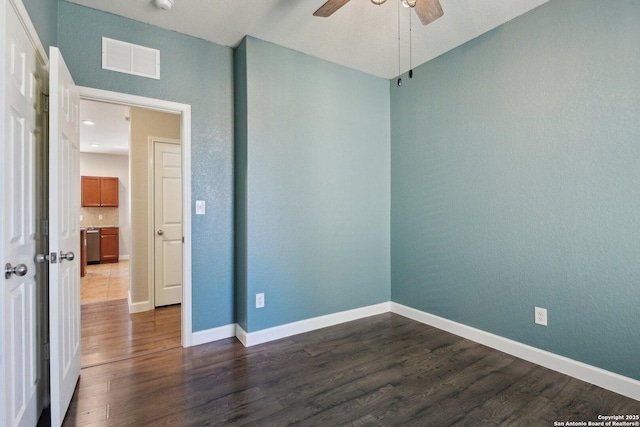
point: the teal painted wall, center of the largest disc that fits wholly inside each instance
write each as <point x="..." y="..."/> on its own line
<point x="240" y="187"/>
<point x="516" y="182"/>
<point x="44" y="15"/>
<point x="195" y="72"/>
<point x="317" y="190"/>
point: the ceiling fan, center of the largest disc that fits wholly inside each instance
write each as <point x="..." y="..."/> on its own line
<point x="427" y="10"/>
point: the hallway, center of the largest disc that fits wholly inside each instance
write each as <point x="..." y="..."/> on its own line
<point x="110" y="333"/>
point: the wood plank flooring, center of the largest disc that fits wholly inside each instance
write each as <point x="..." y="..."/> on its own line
<point x="384" y="370"/>
<point x="110" y="333"/>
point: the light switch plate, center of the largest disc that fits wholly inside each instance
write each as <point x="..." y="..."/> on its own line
<point x="200" y="207"/>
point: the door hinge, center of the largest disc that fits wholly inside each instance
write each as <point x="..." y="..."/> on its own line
<point x="45" y="102"/>
<point x="46" y="351"/>
<point x="44" y="224"/>
<point x="182" y="239"/>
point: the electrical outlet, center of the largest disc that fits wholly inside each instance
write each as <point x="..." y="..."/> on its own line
<point x="259" y="300"/>
<point x="100" y="217"/>
<point x="541" y="316"/>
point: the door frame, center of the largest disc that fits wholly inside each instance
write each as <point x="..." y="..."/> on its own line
<point x="184" y="110"/>
<point x="151" y="210"/>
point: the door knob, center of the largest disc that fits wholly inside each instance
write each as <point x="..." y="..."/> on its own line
<point x="69" y="256"/>
<point x="160" y="232"/>
<point x="18" y="270"/>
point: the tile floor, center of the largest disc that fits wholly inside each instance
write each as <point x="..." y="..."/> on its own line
<point x="105" y="282"/>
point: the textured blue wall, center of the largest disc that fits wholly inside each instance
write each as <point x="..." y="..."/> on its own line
<point x="240" y="175"/>
<point x="44" y="15"/>
<point x="195" y="72"/>
<point x="318" y="178"/>
<point x="516" y="182"/>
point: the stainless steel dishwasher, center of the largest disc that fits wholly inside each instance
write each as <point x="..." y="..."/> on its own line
<point x="93" y="245"/>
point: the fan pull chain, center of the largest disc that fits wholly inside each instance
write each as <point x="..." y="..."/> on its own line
<point x="410" y="48"/>
<point x="399" y="71"/>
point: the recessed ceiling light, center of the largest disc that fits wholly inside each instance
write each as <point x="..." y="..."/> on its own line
<point x="94" y="145"/>
<point x="88" y="122"/>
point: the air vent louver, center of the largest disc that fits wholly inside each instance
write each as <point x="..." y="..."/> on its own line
<point x="130" y="58"/>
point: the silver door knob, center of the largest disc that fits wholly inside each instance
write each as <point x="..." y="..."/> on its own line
<point x="18" y="270"/>
<point x="160" y="232"/>
<point x="69" y="256"/>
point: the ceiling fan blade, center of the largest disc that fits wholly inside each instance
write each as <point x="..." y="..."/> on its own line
<point x="329" y="7"/>
<point x="428" y="10"/>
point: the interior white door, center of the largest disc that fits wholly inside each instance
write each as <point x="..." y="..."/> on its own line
<point x="64" y="235"/>
<point x="168" y="223"/>
<point x="21" y="117"/>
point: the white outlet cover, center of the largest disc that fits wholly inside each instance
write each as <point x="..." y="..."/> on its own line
<point x="540" y="316"/>
<point x="259" y="300"/>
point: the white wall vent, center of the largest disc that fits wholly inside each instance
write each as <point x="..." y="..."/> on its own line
<point x="130" y="58"/>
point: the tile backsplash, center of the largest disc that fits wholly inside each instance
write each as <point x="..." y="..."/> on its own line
<point x="90" y="217"/>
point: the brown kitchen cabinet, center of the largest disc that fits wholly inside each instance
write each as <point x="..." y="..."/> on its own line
<point x="109" y="245"/>
<point x="99" y="191"/>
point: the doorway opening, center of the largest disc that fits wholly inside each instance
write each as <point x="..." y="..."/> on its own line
<point x="118" y="267"/>
<point x="139" y="306"/>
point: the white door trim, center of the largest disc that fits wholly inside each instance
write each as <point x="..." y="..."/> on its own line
<point x="23" y="15"/>
<point x="185" y="136"/>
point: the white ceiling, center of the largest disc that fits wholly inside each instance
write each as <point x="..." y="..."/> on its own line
<point x="360" y="35"/>
<point x="110" y="132"/>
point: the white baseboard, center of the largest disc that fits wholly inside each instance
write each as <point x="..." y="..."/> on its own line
<point x="214" y="334"/>
<point x="600" y="377"/>
<point x="259" y="337"/>
<point x="241" y="334"/>
<point x="138" y="307"/>
<point x="123" y="257"/>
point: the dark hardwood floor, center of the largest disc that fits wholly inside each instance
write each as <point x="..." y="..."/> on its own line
<point x="379" y="371"/>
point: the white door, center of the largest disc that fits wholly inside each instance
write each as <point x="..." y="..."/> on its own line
<point x="167" y="223"/>
<point x="21" y="81"/>
<point x="64" y="236"/>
